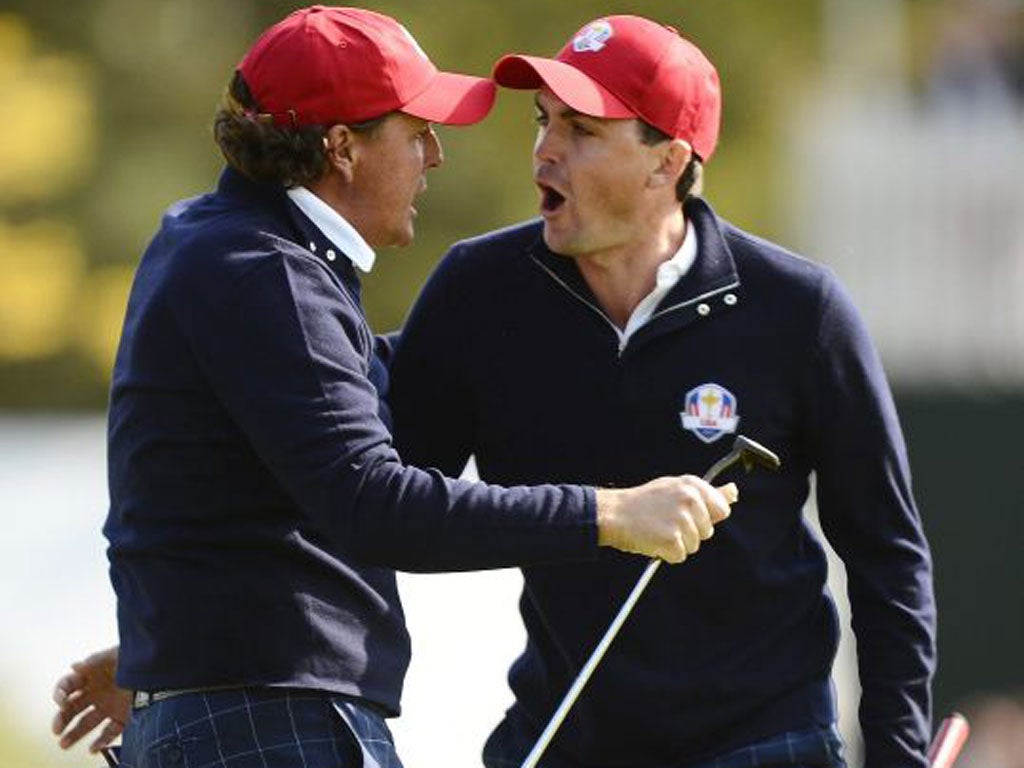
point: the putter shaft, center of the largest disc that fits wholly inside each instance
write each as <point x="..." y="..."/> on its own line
<point x="613" y="629"/>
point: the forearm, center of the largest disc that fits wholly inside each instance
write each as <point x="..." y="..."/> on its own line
<point x="894" y="619"/>
<point x="409" y="519"/>
<point x="416" y="520"/>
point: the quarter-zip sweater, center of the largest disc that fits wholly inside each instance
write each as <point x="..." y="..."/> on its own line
<point x="507" y="355"/>
<point x="257" y="506"/>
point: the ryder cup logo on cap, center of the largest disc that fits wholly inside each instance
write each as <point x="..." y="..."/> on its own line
<point x="592" y="37"/>
<point x="710" y="412"/>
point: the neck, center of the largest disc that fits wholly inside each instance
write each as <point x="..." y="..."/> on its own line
<point x="622" y="276"/>
<point x="339" y="195"/>
<point x="328" y="192"/>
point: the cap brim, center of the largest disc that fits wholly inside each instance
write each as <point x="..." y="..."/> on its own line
<point x="569" y="84"/>
<point x="453" y="100"/>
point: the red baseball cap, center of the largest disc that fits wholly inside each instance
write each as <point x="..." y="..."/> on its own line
<point x="629" y="67"/>
<point x="323" y="65"/>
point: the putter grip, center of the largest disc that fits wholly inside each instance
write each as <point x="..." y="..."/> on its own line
<point x="948" y="741"/>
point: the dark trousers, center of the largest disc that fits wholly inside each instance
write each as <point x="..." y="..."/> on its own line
<point x="257" y="728"/>
<point x="515" y="736"/>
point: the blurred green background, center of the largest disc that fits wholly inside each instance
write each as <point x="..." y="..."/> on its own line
<point x="105" y="112"/>
<point x="106" y="108"/>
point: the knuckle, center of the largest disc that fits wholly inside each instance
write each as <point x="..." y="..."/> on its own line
<point x="674" y="554"/>
<point x="679" y="545"/>
<point x="689" y="494"/>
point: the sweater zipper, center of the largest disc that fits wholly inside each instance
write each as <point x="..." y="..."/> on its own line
<point x="621" y="341"/>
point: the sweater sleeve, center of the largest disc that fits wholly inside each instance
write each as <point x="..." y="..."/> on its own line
<point x="287" y="353"/>
<point x="867" y="511"/>
<point x="431" y="401"/>
<point x="385" y="343"/>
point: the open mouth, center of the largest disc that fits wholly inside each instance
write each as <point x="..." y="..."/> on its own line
<point x="550" y="199"/>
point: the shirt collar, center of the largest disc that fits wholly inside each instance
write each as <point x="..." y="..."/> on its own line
<point x="668" y="275"/>
<point x="335" y="227"/>
<point x="672" y="271"/>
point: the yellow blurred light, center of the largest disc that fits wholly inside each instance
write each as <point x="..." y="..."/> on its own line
<point x="41" y="265"/>
<point x="104" y="297"/>
<point x="48" y="118"/>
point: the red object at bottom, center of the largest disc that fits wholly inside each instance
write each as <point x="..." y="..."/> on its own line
<point x="948" y="741"/>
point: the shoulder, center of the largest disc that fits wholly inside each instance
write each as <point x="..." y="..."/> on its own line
<point x="800" y="291"/>
<point x="499" y="247"/>
<point x="796" y="296"/>
<point x="475" y="268"/>
<point x="522" y="235"/>
<point x="776" y="266"/>
<point x="769" y="272"/>
<point x="212" y="244"/>
<point x="213" y="257"/>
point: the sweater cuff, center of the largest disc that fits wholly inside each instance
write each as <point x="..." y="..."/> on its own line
<point x="590" y="518"/>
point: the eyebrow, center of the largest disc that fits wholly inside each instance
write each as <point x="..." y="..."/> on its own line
<point x="568" y="112"/>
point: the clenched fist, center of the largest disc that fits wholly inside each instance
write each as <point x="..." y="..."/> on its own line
<point x="666" y="518"/>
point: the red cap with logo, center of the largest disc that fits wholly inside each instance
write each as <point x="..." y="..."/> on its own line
<point x="324" y="65"/>
<point x="629" y="67"/>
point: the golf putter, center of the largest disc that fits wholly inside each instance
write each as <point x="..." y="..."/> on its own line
<point x="745" y="451"/>
<point x="948" y="742"/>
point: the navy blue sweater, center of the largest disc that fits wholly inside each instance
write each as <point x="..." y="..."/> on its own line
<point x="507" y="356"/>
<point x="257" y="505"/>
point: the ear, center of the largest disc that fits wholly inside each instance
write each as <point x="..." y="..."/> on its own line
<point x="672" y="158"/>
<point x="341" y="150"/>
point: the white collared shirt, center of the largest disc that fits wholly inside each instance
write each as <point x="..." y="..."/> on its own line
<point x="669" y="273"/>
<point x="335" y="228"/>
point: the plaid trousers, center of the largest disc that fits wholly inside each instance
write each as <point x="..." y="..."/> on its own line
<point x="257" y="728"/>
<point x="513" y="739"/>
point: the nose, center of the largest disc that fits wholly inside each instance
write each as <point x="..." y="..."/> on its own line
<point x="433" y="154"/>
<point x="544" y="147"/>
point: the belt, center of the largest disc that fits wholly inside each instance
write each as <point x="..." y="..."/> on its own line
<point x="141" y="699"/>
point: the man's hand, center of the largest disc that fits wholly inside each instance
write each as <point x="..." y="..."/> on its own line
<point x="90" y="694"/>
<point x="666" y="518"/>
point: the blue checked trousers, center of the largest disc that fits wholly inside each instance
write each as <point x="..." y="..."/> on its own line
<point x="513" y="739"/>
<point x="257" y="728"/>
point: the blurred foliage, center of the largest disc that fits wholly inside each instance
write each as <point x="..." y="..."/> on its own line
<point x="106" y="107"/>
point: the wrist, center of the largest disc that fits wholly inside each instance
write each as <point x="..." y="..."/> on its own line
<point x="609" y="514"/>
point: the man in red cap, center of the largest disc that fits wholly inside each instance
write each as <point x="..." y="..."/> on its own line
<point x="631" y="330"/>
<point x="257" y="505"/>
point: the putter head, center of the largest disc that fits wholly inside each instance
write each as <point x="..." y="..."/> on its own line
<point x="753" y="454"/>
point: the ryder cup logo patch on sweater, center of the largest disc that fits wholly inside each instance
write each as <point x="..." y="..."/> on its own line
<point x="710" y="412"/>
<point x="592" y="37"/>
